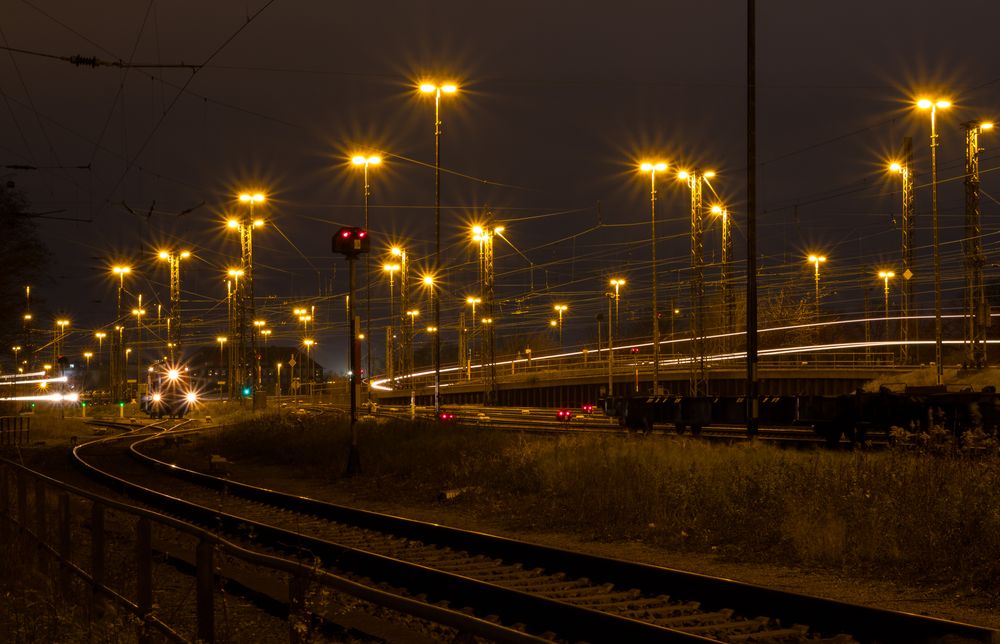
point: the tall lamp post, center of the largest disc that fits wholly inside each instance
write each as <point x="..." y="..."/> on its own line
<point x="934" y="106"/>
<point x="616" y="283"/>
<point x="390" y="340"/>
<point x="173" y="260"/>
<point x="404" y="304"/>
<point x="222" y="343"/>
<point x="437" y="90"/>
<point x="977" y="313"/>
<point x="138" y="312"/>
<point x="475" y="325"/>
<point x="885" y="276"/>
<point x="118" y="340"/>
<point x="560" y="309"/>
<point x="816" y="260"/>
<point x="694" y="180"/>
<point x="366" y="161"/>
<point x="905" y="171"/>
<point x="728" y="305"/>
<point x="245" y="225"/>
<point x="652" y="168"/>
<point x="62" y="324"/>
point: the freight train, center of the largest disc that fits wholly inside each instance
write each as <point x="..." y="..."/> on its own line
<point x="857" y="416"/>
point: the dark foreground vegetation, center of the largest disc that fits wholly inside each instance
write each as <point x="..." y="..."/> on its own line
<point x="923" y="514"/>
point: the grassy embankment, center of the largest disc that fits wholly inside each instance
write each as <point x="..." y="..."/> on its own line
<point x="908" y="516"/>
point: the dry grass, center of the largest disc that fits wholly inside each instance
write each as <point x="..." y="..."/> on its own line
<point x="903" y="515"/>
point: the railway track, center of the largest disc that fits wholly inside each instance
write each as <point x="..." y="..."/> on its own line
<point x="541" y="591"/>
<point x="543" y="421"/>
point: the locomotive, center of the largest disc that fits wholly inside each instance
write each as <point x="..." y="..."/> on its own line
<point x="857" y="416"/>
<point x="168" y="392"/>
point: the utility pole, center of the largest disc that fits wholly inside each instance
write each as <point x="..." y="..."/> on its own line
<point x="977" y="317"/>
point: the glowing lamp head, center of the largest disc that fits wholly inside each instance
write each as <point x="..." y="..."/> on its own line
<point x="396" y="251"/>
<point x="683" y="175"/>
<point x="986" y="126"/>
<point x="121" y="270"/>
<point x="449" y="88"/>
<point x="716" y="210"/>
<point x="232" y="223"/>
<point x="173" y="374"/>
<point x="709" y="174"/>
<point x="428" y="88"/>
<point x="257" y="223"/>
<point x="185" y="254"/>
<point x="651" y="167"/>
<point x="164" y="254"/>
<point x="895" y="167"/>
<point x="256" y="197"/>
<point x="156" y="397"/>
<point x="428" y="280"/>
<point x="191" y="397"/>
<point x="817" y="259"/>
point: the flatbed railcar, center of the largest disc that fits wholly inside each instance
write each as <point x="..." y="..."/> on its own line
<point x="857" y="416"/>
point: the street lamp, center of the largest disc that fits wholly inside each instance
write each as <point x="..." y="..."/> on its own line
<point x="138" y="313"/>
<point x="308" y="342"/>
<point x="886" y="276"/>
<point x="16" y="369"/>
<point x="245" y="226"/>
<point x="277" y="384"/>
<point x="173" y="260"/>
<point x="475" y="325"/>
<point x="437" y="90"/>
<point x="694" y="180"/>
<point x="728" y="305"/>
<point x="652" y="168"/>
<point x="222" y="343"/>
<point x="62" y="324"/>
<point x="366" y="161"/>
<point x="816" y="260"/>
<point x="934" y="106"/>
<point x="560" y="309"/>
<point x="617" y="283"/>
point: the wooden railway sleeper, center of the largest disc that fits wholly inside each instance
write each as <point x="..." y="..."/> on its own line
<point x="756" y="624"/>
<point x="681" y="622"/>
<point x="793" y="632"/>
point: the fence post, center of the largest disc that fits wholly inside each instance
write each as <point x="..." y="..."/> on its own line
<point x="97" y="546"/>
<point x="65" y="547"/>
<point x="22" y="502"/>
<point x="5" y="518"/>
<point x="143" y="575"/>
<point x="206" y="589"/>
<point x="40" y="528"/>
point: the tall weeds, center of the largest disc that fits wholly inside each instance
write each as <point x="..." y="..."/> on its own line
<point x="896" y="514"/>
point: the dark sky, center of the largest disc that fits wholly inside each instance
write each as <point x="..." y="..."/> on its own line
<point x="557" y="103"/>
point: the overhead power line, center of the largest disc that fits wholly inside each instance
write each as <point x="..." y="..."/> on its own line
<point x="94" y="61"/>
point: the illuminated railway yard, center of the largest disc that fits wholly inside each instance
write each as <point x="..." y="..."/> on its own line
<point x="465" y="322"/>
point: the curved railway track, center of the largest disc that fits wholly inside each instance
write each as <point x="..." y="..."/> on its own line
<point x="543" y="591"/>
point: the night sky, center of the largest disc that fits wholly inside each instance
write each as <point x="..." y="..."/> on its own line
<point x="557" y="104"/>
